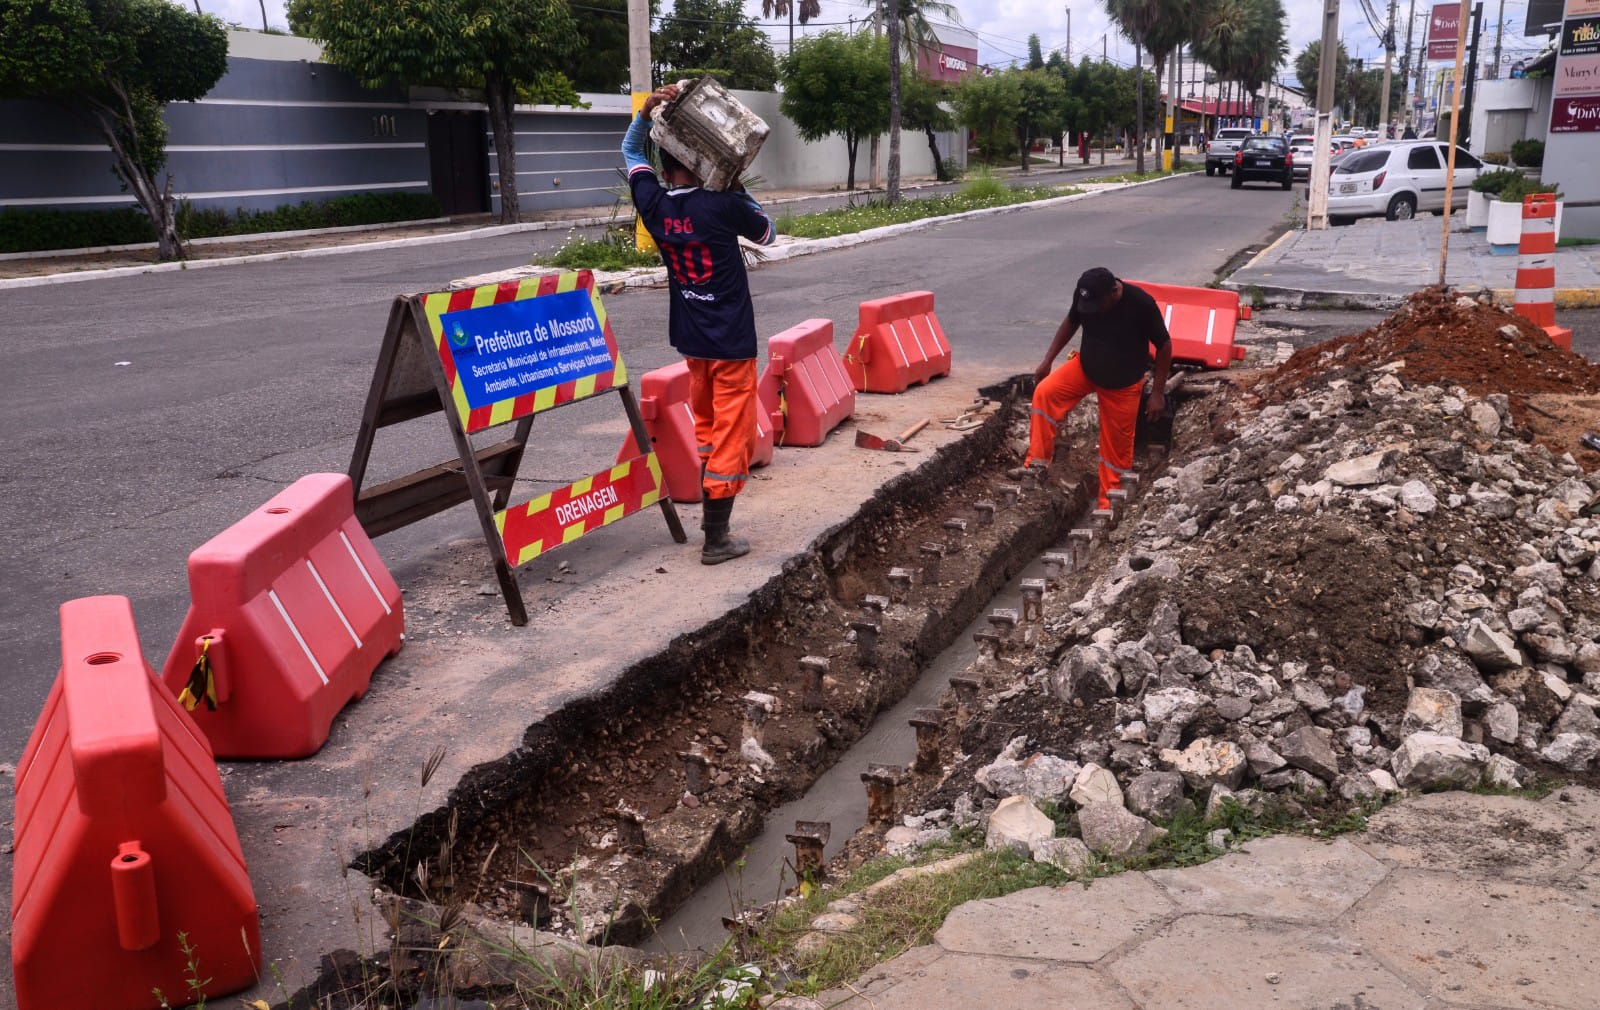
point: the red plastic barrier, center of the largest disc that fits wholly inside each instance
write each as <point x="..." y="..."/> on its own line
<point x="123" y="837"/>
<point x="898" y="344"/>
<point x="664" y="403"/>
<point x="806" y="378"/>
<point x="1201" y="322"/>
<point x="294" y="610"/>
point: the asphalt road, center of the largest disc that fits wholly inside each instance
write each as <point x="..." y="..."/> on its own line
<point x="148" y="413"/>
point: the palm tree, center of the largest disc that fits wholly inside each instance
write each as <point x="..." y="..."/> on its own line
<point x="1221" y="39"/>
<point x="1136" y="18"/>
<point x="808" y="9"/>
<point x="1266" y="46"/>
<point x="909" y="30"/>
<point x="1173" y="27"/>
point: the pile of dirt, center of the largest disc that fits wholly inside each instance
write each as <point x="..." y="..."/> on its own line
<point x="1441" y="338"/>
<point x="1360" y="571"/>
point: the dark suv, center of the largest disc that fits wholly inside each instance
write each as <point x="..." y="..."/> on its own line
<point x="1266" y="158"/>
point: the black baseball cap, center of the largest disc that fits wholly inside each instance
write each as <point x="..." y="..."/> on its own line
<point x="1094" y="287"/>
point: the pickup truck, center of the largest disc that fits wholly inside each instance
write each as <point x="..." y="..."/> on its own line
<point x="1222" y="148"/>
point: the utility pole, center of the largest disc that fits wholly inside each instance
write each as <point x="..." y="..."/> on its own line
<point x="872" y="152"/>
<point x="1455" y="131"/>
<point x="1069" y="35"/>
<point x="1405" y="62"/>
<point x="1388" y="70"/>
<point x="1317" y="214"/>
<point x="1499" y="32"/>
<point x="640" y="85"/>
<point x="1472" y="69"/>
<point x="1103" y="59"/>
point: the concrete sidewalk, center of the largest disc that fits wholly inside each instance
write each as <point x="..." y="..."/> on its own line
<point x="1449" y="901"/>
<point x="1377" y="264"/>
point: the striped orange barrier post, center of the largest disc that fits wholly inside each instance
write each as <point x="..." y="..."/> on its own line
<point x="1536" y="267"/>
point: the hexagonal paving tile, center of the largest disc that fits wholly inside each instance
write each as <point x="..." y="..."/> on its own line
<point x="1477" y="942"/>
<point x="1487" y="836"/>
<point x="916" y="981"/>
<point x="1286" y="877"/>
<point x="1075" y="922"/>
<point x="1208" y="962"/>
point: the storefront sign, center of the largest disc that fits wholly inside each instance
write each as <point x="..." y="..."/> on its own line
<point x="1575" y="115"/>
<point x="1444" y="28"/>
<point x="1577" y="76"/>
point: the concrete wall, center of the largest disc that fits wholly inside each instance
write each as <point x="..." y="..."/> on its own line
<point x="281" y="127"/>
<point x="788" y="162"/>
<point x="1508" y="110"/>
<point x="278" y="128"/>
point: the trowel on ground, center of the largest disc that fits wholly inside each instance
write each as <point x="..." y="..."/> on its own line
<point x="865" y="440"/>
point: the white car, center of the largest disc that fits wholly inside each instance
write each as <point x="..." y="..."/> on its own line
<point x="1397" y="181"/>
<point x="1302" y="146"/>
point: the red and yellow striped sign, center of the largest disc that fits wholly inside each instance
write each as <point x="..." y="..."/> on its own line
<point x="566" y="514"/>
<point x="436" y="305"/>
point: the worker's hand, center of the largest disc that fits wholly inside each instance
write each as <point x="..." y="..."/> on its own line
<point x="1042" y="371"/>
<point x="660" y="96"/>
<point x="1157" y="406"/>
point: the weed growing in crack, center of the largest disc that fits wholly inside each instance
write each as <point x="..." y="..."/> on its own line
<point x="191" y="974"/>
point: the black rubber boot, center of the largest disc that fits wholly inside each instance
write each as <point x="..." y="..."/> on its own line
<point x="719" y="546"/>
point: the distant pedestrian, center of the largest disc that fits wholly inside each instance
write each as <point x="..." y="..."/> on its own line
<point x="1120" y="322"/>
<point x="710" y="319"/>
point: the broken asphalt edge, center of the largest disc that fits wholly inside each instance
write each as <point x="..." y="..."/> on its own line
<point x="608" y="283"/>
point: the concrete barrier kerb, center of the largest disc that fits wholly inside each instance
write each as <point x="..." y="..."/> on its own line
<point x="653" y="277"/>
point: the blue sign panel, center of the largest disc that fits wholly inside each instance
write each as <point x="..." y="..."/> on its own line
<point x="517" y="348"/>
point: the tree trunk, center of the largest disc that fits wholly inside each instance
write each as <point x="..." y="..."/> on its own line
<point x="939" y="171"/>
<point x="156" y="204"/>
<point x="500" y="96"/>
<point x="1160" y="63"/>
<point x="1138" y="105"/>
<point x="851" y="142"/>
<point x="1027" y="146"/>
<point x="893" y="175"/>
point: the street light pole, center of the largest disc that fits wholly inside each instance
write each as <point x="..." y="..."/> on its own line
<point x="639" y="83"/>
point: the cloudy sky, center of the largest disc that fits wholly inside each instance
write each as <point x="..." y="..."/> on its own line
<point x="1003" y="26"/>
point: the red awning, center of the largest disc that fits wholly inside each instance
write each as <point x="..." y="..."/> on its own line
<point x="1216" y="107"/>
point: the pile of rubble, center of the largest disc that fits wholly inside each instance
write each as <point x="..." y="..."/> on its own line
<point x="1362" y="575"/>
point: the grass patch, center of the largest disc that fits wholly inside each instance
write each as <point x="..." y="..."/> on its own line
<point x="903" y="916"/>
<point x="615" y="249"/>
<point x="1183" y="169"/>
<point x="1570" y="242"/>
<point x="977" y="194"/>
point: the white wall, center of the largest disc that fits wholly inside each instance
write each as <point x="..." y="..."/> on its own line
<point x="1498" y="105"/>
<point x="788" y="162"/>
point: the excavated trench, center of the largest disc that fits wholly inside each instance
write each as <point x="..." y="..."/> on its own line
<point x="617" y="808"/>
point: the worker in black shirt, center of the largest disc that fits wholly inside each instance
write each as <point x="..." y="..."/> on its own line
<point x="1120" y="324"/>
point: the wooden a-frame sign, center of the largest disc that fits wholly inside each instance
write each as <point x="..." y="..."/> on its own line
<point x="487" y="357"/>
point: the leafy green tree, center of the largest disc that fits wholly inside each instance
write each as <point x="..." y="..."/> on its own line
<point x="989" y="106"/>
<point x="837" y="83"/>
<point x="1307" y="67"/>
<point x="116" y="64"/>
<point x="1035" y="53"/>
<point x="922" y="108"/>
<point x="505" y="50"/>
<point x="702" y="34"/>
<point x="1041" y="96"/>
<point x="600" y="61"/>
<point x="909" y="31"/>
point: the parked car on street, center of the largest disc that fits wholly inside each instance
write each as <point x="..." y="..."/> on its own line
<point x="1263" y="158"/>
<point x="1222" y="148"/>
<point x="1397" y="180"/>
<point x="1304" y="147"/>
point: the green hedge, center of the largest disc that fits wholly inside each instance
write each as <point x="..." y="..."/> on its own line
<point x="31" y="230"/>
<point x="1528" y="153"/>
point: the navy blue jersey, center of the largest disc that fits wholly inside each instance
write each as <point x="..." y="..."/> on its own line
<point x="698" y="233"/>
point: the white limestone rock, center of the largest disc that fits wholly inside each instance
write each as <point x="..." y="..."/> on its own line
<point x="1095" y="784"/>
<point x="1208" y="761"/>
<point x="1109" y="829"/>
<point x="1016" y="825"/>
<point x="1433" y="710"/>
<point x="1434" y="761"/>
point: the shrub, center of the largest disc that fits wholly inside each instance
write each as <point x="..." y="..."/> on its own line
<point x="34" y="230"/>
<point x="1494" y="183"/>
<point x="1497" y="158"/>
<point x="1528" y="153"/>
<point x="984" y="185"/>
<point x="1518" y="188"/>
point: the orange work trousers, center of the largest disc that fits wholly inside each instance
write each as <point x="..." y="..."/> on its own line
<point x="722" y="396"/>
<point x="1053" y="400"/>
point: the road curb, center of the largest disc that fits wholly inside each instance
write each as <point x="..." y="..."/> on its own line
<point x="656" y="275"/>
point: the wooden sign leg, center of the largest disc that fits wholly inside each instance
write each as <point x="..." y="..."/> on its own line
<point x="642" y="438"/>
